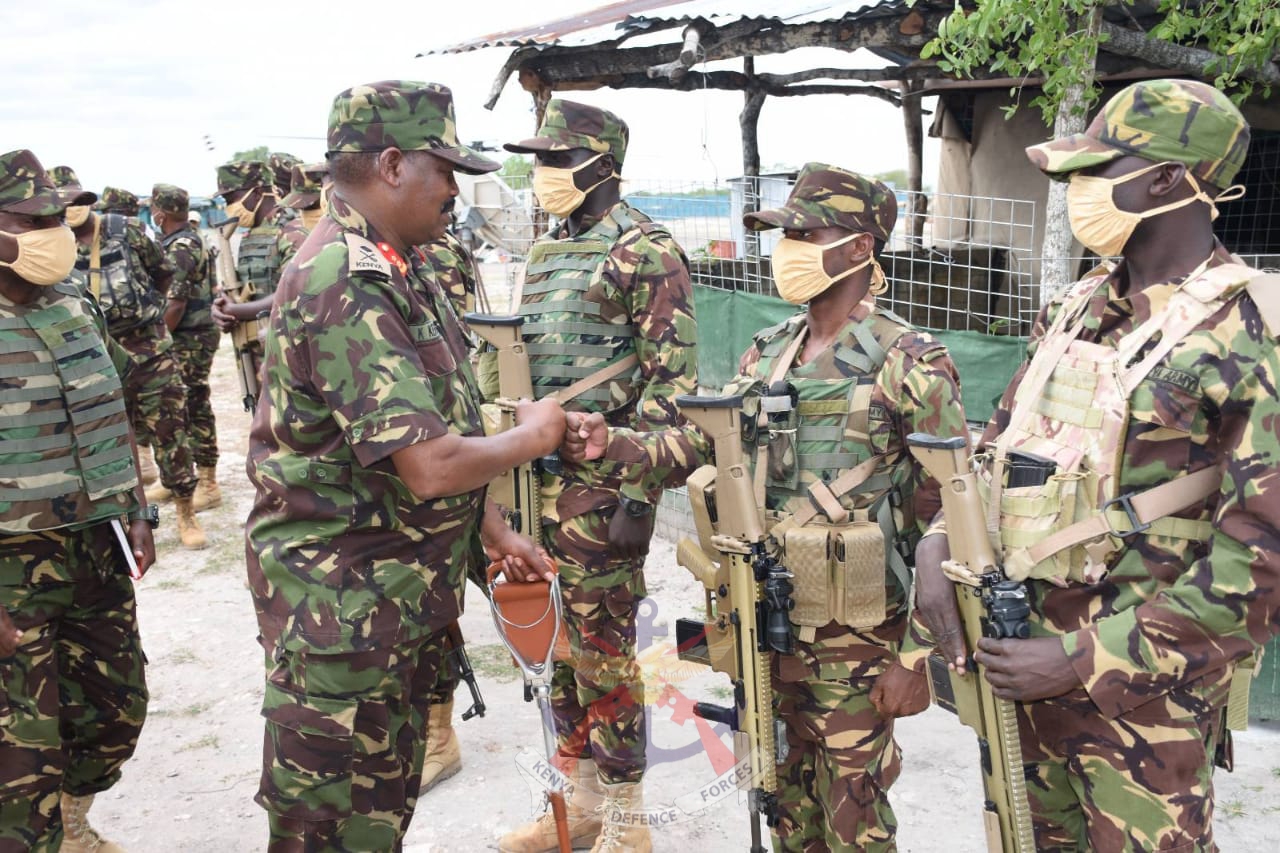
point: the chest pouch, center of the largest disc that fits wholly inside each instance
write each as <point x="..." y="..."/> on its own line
<point x="839" y="574"/>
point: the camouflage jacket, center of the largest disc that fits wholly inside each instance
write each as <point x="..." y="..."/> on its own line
<point x="644" y="282"/>
<point x="192" y="279"/>
<point x="1171" y="615"/>
<point x="455" y="271"/>
<point x="363" y="360"/>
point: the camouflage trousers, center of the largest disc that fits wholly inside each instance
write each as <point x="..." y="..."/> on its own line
<point x="344" y="746"/>
<point x="597" y="698"/>
<point x="157" y="402"/>
<point x="194" y="351"/>
<point x="833" y="787"/>
<point x="73" y="697"/>
<point x="1141" y="781"/>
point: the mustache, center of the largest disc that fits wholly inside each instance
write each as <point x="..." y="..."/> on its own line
<point x="447" y="207"/>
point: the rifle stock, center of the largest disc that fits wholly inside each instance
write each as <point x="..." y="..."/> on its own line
<point x="244" y="337"/>
<point x="518" y="489"/>
<point x="982" y="592"/>
<point x="743" y="583"/>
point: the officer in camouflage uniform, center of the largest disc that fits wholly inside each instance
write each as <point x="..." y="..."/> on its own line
<point x="127" y="273"/>
<point x="306" y="184"/>
<point x="72" y="692"/>
<point x="606" y="289"/>
<point x="863" y="381"/>
<point x="370" y="462"/>
<point x="273" y="238"/>
<point x="1152" y="381"/>
<point x="189" y="319"/>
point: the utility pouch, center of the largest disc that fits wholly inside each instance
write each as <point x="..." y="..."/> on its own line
<point x="839" y="574"/>
<point x="487" y="373"/>
<point x="779" y="405"/>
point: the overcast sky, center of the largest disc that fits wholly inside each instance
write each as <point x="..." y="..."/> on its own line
<point x="126" y="91"/>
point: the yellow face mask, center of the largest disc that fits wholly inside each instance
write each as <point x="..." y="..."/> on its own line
<point x="77" y="215"/>
<point x="45" y="257"/>
<point x="556" y="191"/>
<point x="245" y="215"/>
<point x="799" y="274"/>
<point x="1105" y="229"/>
<point x="310" y="217"/>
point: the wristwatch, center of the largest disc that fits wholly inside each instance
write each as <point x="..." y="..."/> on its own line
<point x="150" y="514"/>
<point x="634" y="508"/>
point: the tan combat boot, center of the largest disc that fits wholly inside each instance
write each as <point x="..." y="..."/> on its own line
<point x="583" y="812"/>
<point x="208" y="494"/>
<point x="623" y="832"/>
<point x="148" y="473"/>
<point x="78" y="836"/>
<point x="444" y="755"/>
<point x="158" y="494"/>
<point x="189" y="530"/>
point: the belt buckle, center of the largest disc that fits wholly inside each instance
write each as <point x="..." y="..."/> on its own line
<point x="1126" y="503"/>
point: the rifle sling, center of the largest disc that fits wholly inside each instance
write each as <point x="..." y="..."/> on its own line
<point x="1148" y="506"/>
<point x="600" y="377"/>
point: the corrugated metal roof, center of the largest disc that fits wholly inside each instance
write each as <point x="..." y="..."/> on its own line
<point x="617" y="22"/>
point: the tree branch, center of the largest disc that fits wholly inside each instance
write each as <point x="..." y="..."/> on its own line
<point x="1176" y="57"/>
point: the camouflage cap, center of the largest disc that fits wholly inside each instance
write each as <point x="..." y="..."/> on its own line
<point x="401" y="114"/>
<point x="281" y="166"/>
<point x="242" y="175"/>
<point x="119" y="201"/>
<point x="567" y="125"/>
<point x="64" y="177"/>
<point x="169" y="198"/>
<point x="826" y="196"/>
<point x="25" y="187"/>
<point x="1182" y="121"/>
<point x="305" y="185"/>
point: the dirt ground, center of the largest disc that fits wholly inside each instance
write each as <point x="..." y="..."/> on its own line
<point x="191" y="785"/>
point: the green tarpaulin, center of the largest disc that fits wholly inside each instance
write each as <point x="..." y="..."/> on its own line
<point x="728" y="318"/>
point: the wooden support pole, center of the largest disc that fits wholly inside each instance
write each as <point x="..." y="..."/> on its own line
<point x="913" y="119"/>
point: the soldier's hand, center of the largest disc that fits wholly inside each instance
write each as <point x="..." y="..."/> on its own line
<point x="10" y="636"/>
<point x="1026" y="670"/>
<point x="225" y="321"/>
<point x="629" y="537"/>
<point x="522" y="561"/>
<point x="585" y="438"/>
<point x="936" y="600"/>
<point x="143" y="545"/>
<point x="543" y="423"/>
<point x="900" y="692"/>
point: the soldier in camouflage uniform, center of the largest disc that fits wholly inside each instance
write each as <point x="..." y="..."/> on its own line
<point x="127" y="273"/>
<point x="72" y="692"/>
<point x="273" y="238"/>
<point x="1152" y="381"/>
<point x="189" y="319"/>
<point x="606" y="288"/>
<point x="305" y="187"/>
<point x="863" y="381"/>
<point x="281" y="166"/>
<point x="370" y="462"/>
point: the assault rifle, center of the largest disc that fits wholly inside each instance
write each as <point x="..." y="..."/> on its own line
<point x="992" y="606"/>
<point x="244" y="337"/>
<point x="518" y="489"/>
<point x="748" y="602"/>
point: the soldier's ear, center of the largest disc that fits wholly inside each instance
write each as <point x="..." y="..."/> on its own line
<point x="1167" y="178"/>
<point x="860" y="248"/>
<point x="605" y="166"/>
<point x="391" y="165"/>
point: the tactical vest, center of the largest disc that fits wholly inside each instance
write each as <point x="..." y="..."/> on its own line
<point x="198" y="315"/>
<point x="259" y="259"/>
<point x="1070" y="421"/>
<point x="570" y="339"/>
<point x="843" y="555"/>
<point x="118" y="282"/>
<point x="65" y="455"/>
